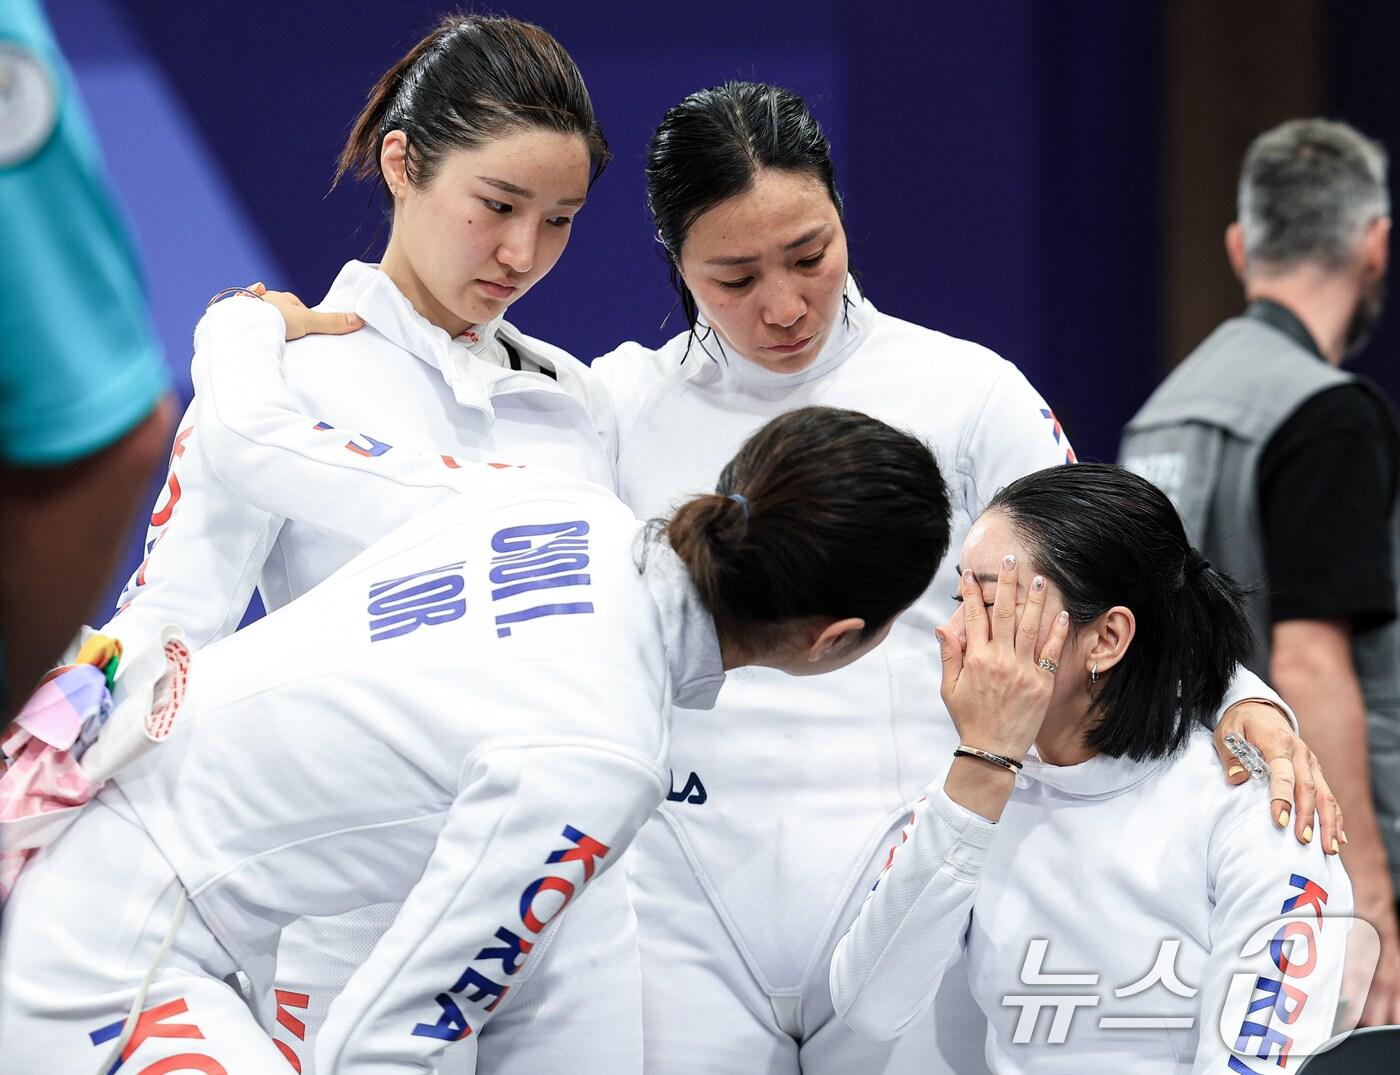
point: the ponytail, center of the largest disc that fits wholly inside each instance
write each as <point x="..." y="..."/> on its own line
<point x="473" y="79"/>
<point x="822" y="513"/>
<point x="1105" y="536"/>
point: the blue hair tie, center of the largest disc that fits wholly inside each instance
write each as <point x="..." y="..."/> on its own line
<point x="743" y="502"/>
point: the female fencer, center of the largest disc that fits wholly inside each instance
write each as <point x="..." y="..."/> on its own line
<point x="1082" y="826"/>
<point x="470" y="719"/>
<point x="485" y="143"/>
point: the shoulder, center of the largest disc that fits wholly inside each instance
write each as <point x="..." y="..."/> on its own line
<point x="631" y="371"/>
<point x="907" y="342"/>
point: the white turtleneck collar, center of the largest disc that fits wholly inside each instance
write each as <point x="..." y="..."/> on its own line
<point x="687" y="628"/>
<point x="1100" y="777"/>
<point x="369" y="292"/>
<point x="710" y="358"/>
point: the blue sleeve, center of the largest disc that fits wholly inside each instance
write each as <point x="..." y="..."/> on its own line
<point x="79" y="363"/>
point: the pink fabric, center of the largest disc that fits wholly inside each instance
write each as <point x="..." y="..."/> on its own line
<point x="57" y="710"/>
<point x="39" y="780"/>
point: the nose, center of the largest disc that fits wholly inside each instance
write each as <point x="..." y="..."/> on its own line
<point x="783" y="306"/>
<point x="518" y="245"/>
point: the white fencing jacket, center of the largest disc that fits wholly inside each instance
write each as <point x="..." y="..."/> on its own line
<point x="1121" y="896"/>
<point x="804" y="780"/>
<point x="398" y="383"/>
<point x="468" y="717"/>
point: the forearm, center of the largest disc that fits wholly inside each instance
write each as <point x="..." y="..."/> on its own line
<point x="891" y="962"/>
<point x="61" y="530"/>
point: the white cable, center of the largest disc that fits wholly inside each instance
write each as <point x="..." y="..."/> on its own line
<point x="133" y="1017"/>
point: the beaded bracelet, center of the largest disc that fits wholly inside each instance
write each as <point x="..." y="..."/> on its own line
<point x="1011" y="765"/>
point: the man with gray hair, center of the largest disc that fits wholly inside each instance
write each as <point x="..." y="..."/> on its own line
<point x="1285" y="468"/>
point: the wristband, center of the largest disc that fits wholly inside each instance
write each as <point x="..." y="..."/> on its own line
<point x="229" y="292"/>
<point x="1011" y="765"/>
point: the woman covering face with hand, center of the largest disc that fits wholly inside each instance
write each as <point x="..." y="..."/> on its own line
<point x="1083" y="824"/>
<point x="780" y="812"/>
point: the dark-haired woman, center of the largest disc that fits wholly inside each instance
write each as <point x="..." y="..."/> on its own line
<point x="470" y="719"/>
<point x="1082" y="853"/>
<point x="485" y="143"/>
<point x="784" y="800"/>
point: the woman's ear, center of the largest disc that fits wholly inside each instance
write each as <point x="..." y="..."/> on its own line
<point x="1113" y="634"/>
<point x="835" y="636"/>
<point x="393" y="162"/>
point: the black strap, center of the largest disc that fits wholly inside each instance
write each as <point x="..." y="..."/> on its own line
<point x="515" y="363"/>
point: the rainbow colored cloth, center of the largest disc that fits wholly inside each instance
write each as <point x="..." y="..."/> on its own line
<point x="39" y="771"/>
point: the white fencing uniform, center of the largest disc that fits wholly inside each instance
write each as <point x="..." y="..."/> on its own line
<point x="468" y="718"/>
<point x="786" y="797"/>
<point x="1138" y="952"/>
<point x="398" y="384"/>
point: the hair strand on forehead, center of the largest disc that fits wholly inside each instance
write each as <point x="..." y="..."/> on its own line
<point x="473" y="79"/>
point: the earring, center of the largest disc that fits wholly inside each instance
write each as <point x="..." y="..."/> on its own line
<point x="1094" y="673"/>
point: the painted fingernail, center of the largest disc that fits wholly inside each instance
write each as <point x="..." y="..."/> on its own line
<point x="1344" y="836"/>
<point x="1037" y="584"/>
<point x="1307" y="834"/>
<point x="1008" y="561"/>
<point x="969" y="577"/>
<point x="1235" y="770"/>
<point x="1335" y="849"/>
<point x="1283" y="817"/>
<point x="1063" y="617"/>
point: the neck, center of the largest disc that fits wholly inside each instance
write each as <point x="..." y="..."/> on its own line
<point x="1062" y="737"/>
<point x="395" y="265"/>
<point x="1324" y="301"/>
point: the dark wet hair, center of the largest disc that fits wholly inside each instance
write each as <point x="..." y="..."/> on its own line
<point x="1106" y="537"/>
<point x="823" y="512"/>
<point x="710" y="147"/>
<point x="475" y="78"/>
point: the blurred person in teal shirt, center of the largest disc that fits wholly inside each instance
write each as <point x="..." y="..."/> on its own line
<point x="84" y="416"/>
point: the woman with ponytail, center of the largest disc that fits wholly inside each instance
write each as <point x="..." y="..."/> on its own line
<point x="484" y="144"/>
<point x="1083" y="825"/>
<point x="468" y="721"/>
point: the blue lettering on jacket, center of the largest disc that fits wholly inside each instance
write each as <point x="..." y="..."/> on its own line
<point x="525" y="564"/>
<point x="452" y="1024"/>
<point x="424" y="598"/>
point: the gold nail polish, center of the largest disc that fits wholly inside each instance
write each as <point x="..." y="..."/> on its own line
<point x="1335" y="849"/>
<point x="1282" y="818"/>
<point x="1307" y="834"/>
<point x="1344" y="836"/>
<point x="1235" y="771"/>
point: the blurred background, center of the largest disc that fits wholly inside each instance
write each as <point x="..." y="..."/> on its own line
<point x="1051" y="178"/>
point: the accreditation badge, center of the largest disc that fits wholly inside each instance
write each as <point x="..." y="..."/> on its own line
<point x="28" y="104"/>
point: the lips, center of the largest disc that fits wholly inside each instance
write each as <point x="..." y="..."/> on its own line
<point x="495" y="290"/>
<point x="792" y="348"/>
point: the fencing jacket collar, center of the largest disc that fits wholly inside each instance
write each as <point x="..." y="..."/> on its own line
<point x="709" y="358"/>
<point x="370" y="293"/>
<point x="687" y="628"/>
<point x="1101" y="777"/>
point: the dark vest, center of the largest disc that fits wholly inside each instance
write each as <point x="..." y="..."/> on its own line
<point x="1200" y="438"/>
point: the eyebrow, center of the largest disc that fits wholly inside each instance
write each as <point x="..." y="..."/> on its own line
<point x="521" y="192"/>
<point x="801" y="240"/>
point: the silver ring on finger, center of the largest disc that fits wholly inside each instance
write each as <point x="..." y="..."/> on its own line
<point x="1049" y="664"/>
